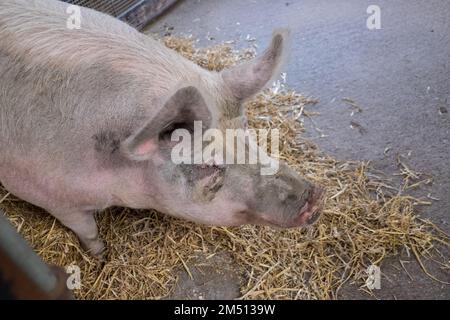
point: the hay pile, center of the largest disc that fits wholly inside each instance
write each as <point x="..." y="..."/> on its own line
<point x="364" y="221"/>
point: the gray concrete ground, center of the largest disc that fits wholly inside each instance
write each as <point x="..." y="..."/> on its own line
<point x="399" y="75"/>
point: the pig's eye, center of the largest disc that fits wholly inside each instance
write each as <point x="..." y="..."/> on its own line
<point x="166" y="134"/>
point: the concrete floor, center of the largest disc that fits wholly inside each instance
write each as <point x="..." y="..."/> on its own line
<point x="399" y="75"/>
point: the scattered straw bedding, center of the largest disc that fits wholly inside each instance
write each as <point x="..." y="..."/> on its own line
<point x="363" y="222"/>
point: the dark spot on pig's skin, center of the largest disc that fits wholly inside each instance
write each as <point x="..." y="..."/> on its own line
<point x="107" y="145"/>
<point x="107" y="142"/>
<point x="215" y="183"/>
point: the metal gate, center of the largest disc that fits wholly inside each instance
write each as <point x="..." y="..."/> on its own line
<point x="137" y="13"/>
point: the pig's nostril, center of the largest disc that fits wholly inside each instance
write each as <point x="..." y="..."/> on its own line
<point x="292" y="197"/>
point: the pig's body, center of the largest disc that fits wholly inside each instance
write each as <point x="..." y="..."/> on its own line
<point x="56" y="95"/>
<point x="71" y="102"/>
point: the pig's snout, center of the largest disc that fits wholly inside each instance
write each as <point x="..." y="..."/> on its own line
<point x="300" y="213"/>
<point x="311" y="210"/>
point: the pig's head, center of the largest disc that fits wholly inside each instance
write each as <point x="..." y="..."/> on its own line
<point x="216" y="193"/>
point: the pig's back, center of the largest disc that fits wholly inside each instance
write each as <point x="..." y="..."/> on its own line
<point x="61" y="87"/>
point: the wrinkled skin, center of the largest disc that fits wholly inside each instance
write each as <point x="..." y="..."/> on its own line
<point x="86" y="119"/>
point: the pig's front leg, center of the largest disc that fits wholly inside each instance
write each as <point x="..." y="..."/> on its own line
<point x="85" y="227"/>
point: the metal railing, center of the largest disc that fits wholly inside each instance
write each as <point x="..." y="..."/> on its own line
<point x="23" y="275"/>
<point x="137" y="13"/>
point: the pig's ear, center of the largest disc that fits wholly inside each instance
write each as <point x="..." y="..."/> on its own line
<point x="248" y="78"/>
<point x="180" y="111"/>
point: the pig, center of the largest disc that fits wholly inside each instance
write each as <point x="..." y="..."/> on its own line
<point x="86" y="117"/>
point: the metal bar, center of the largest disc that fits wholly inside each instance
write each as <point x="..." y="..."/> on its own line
<point x="137" y="13"/>
<point x="145" y="11"/>
<point x="23" y="275"/>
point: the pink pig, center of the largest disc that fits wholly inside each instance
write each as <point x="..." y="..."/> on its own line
<point x="86" y="117"/>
